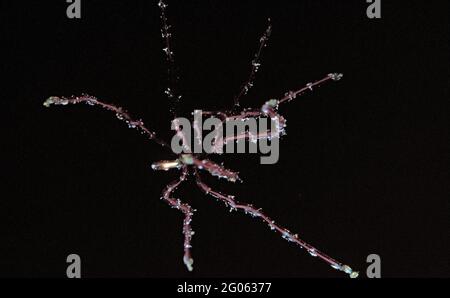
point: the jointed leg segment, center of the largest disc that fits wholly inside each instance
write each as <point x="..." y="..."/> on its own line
<point x="188" y="213"/>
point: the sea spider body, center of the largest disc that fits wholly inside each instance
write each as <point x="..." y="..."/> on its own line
<point x="188" y="163"/>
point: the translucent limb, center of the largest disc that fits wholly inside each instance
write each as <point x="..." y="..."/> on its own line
<point x="172" y="74"/>
<point x="269" y="109"/>
<point x="215" y="169"/>
<point x="248" y="84"/>
<point x="231" y="202"/>
<point x="188" y="213"/>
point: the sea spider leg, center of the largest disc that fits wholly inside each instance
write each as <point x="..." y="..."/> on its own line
<point x="230" y="201"/>
<point x="245" y="87"/>
<point x="188" y="213"/>
<point x="269" y="109"/>
<point x="171" y="92"/>
<point x="121" y="114"/>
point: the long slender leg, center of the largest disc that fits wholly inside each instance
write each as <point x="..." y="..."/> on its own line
<point x="230" y="201"/>
<point x="269" y="109"/>
<point x="172" y="73"/>
<point x="277" y="129"/>
<point x="215" y="169"/>
<point x="188" y="213"/>
<point x="245" y="87"/>
<point x="287" y="97"/>
<point x="121" y="114"/>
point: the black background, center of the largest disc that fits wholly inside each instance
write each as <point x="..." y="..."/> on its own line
<point x="362" y="169"/>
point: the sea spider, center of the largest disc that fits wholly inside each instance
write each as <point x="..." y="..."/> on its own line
<point x="191" y="163"/>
